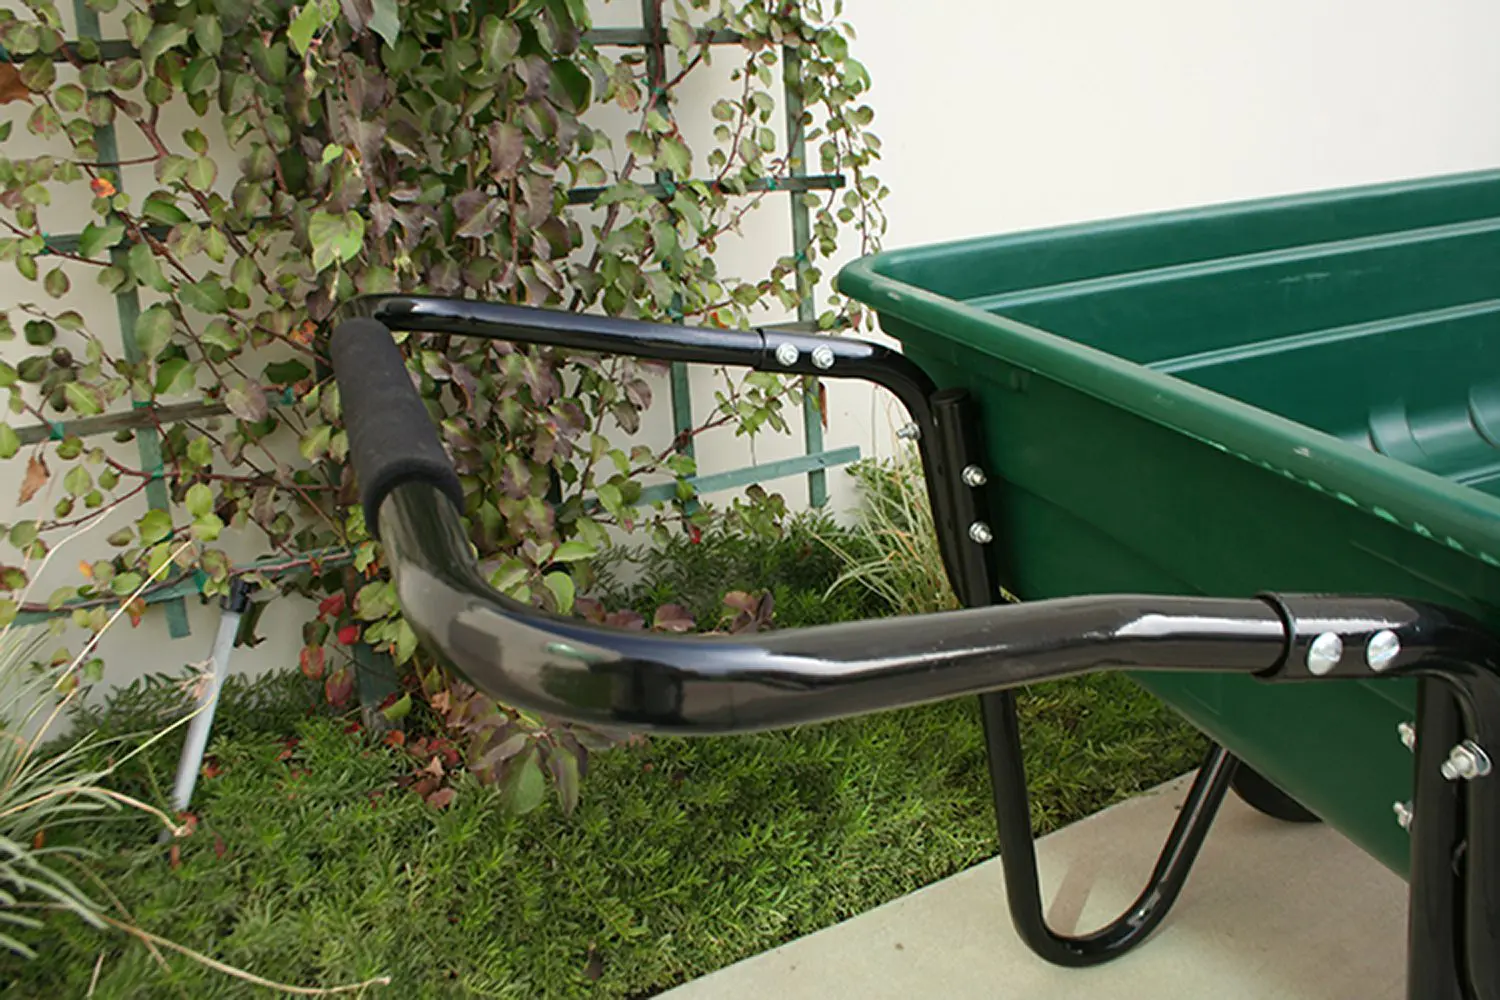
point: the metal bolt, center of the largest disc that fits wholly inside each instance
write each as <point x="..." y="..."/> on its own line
<point x="1383" y="648"/>
<point x="1403" y="814"/>
<point x="787" y="354"/>
<point x="973" y="475"/>
<point x="981" y="533"/>
<point x="1408" y="735"/>
<point x="1324" y="653"/>
<point x="909" y="432"/>
<point x="822" y="357"/>
<point x="1467" y="761"/>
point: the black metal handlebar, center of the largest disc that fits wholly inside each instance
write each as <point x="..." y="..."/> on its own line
<point x="619" y="678"/>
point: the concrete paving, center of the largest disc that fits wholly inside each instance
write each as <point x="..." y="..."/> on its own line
<point x="1273" y="911"/>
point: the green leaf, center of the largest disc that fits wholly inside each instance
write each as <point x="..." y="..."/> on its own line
<point x="78" y="481"/>
<point x="153" y="330"/>
<point x="525" y="787"/>
<point x="315" y="442"/>
<point x="208" y="527"/>
<point x="137" y="27"/>
<point x="155" y="525"/>
<point x="386" y="21"/>
<point x="84" y="400"/>
<point x="609" y="496"/>
<point x="406" y="642"/>
<point x="202" y="172"/>
<point x="286" y="372"/>
<point x="209" y="33"/>
<point x="176" y="375"/>
<point x="215" y="244"/>
<point x="573" y="552"/>
<point x="126" y="583"/>
<point x="10" y="442"/>
<point x="398" y="710"/>
<point x="675" y="157"/>
<point x="221" y="335"/>
<point x="572" y="85"/>
<point x="561" y="585"/>
<point x="199" y="500"/>
<point x="163" y="210"/>
<point x="500" y="39"/>
<point x="97" y="238"/>
<point x="40" y="332"/>
<point x="147" y="269"/>
<point x="375" y="600"/>
<point x="70" y="97"/>
<point x="56" y="283"/>
<point x="161" y="38"/>
<point x="511" y="574"/>
<point x="200" y="451"/>
<point x="308" y="22"/>
<point x="335" y="238"/>
<point x="206" y="296"/>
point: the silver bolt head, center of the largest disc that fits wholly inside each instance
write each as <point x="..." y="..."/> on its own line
<point x="1382" y="649"/>
<point x="787" y="354"/>
<point x="973" y="475"/>
<point x="1324" y="653"/>
<point x="909" y="432"/>
<point x="822" y="357"/>
<point x="1403" y="814"/>
<point x="1466" y="761"/>
<point x="1408" y="734"/>
<point x="981" y="533"/>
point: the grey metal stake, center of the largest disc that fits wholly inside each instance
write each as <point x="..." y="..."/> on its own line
<point x="191" y="761"/>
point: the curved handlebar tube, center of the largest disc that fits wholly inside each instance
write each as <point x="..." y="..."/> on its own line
<point x="721" y="684"/>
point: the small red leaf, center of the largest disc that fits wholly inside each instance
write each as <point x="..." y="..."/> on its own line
<point x="395" y="738"/>
<point x="311" y="660"/>
<point x="174" y="856"/>
<point x="440" y="798"/>
<point x="349" y="635"/>
<point x="188" y="821"/>
<point x="211" y="768"/>
<point x="339" y="686"/>
<point x="219" y="847"/>
<point x="331" y="606"/>
<point x="625" y="619"/>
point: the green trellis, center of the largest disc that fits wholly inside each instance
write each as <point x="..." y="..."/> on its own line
<point x="144" y="418"/>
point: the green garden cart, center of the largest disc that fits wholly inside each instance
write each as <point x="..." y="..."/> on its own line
<point x="1248" y="454"/>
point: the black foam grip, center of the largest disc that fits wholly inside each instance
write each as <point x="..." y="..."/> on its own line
<point x="392" y="439"/>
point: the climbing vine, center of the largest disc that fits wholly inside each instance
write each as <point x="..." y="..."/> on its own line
<point x="340" y="148"/>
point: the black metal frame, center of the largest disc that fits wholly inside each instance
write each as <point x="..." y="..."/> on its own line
<point x="696" y="685"/>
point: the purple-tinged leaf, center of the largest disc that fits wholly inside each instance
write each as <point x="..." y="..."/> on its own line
<point x="673" y="618"/>
<point x="247" y="401"/>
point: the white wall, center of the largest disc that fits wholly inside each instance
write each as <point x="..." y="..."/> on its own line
<point x="998" y="115"/>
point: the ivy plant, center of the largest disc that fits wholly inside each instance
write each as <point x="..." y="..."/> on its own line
<point x="344" y="147"/>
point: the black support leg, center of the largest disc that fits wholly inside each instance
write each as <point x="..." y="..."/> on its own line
<point x="1434" y="917"/>
<point x="1018" y="850"/>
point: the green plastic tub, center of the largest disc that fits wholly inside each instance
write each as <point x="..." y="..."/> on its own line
<point x="1295" y="394"/>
